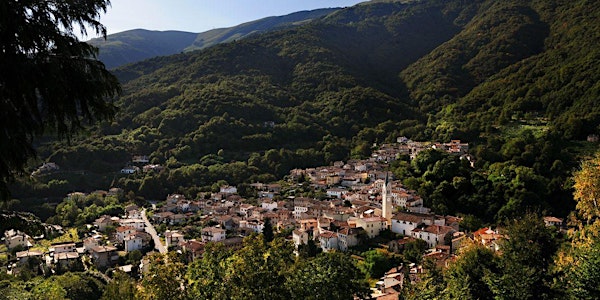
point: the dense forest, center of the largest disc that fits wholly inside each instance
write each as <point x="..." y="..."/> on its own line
<point x="515" y="79"/>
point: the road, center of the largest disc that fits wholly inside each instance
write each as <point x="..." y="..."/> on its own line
<point x="150" y="229"/>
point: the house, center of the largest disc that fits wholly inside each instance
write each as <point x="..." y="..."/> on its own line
<point x="130" y="170"/>
<point x="309" y="224"/>
<point x="336" y="192"/>
<point x="553" y="221"/>
<point x="162" y="217"/>
<point x="177" y="219"/>
<point x="489" y="238"/>
<point x="391" y="283"/>
<point x="173" y="238"/>
<point x="103" y="222"/>
<point x="328" y="241"/>
<point x="138" y="224"/>
<point x="122" y="232"/>
<point x="227" y="189"/>
<point x="24" y="256"/>
<point x="90" y="243"/>
<point x="246" y="209"/>
<point x="193" y="249"/>
<point x="132" y="242"/>
<point x="300" y="237"/>
<point x="104" y="256"/>
<point x="268" y="204"/>
<point x="347" y="237"/>
<point x="433" y="234"/>
<point x="63" y="248"/>
<point x="14" y="238"/>
<point x="254" y="225"/>
<point x="213" y="234"/>
<point x="405" y="222"/>
<point x="134" y="214"/>
<point x="65" y="258"/>
<point x="140" y="159"/>
<point x="372" y="226"/>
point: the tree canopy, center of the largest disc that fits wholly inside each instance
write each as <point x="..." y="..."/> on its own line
<point x="50" y="81"/>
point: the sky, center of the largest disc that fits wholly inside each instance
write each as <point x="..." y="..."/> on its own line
<point x="201" y="15"/>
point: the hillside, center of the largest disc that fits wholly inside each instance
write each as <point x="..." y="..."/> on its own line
<point x="138" y="44"/>
<point x="516" y="79"/>
<point x="135" y="45"/>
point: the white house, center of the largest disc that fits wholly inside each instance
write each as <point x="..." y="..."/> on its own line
<point x="123" y="231"/>
<point x="138" y="224"/>
<point x="336" y="192"/>
<point x="132" y="242"/>
<point x="405" y="222"/>
<point x="255" y="225"/>
<point x="269" y="204"/>
<point x="173" y="238"/>
<point x="14" y="238"/>
<point x="328" y="241"/>
<point x="433" y="234"/>
<point x="63" y="248"/>
<point x="347" y="237"/>
<point x="300" y="237"/>
<point x="227" y="189"/>
<point x="213" y="234"/>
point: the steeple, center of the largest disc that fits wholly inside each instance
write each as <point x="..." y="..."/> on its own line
<point x="386" y="200"/>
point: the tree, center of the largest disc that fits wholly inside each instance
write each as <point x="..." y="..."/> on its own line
<point x="205" y="276"/>
<point x="164" y="279"/>
<point x="525" y="261"/>
<point x="121" y="287"/>
<point x="328" y="276"/>
<point x="268" y="231"/>
<point x="50" y="80"/>
<point x="376" y="263"/>
<point x="464" y="278"/>
<point x="587" y="188"/>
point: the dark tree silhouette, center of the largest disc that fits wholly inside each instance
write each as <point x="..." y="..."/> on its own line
<point x="50" y="81"/>
<point x="268" y="234"/>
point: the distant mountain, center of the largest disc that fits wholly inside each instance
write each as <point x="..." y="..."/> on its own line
<point x="135" y="45"/>
<point x="138" y="44"/>
<point x="223" y="35"/>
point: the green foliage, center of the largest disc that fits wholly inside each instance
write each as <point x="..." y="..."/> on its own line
<point x="51" y="81"/>
<point x="328" y="276"/>
<point x="525" y="262"/>
<point x="120" y="287"/>
<point x="375" y="263"/>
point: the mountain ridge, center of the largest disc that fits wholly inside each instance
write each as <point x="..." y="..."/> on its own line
<point x="138" y="44"/>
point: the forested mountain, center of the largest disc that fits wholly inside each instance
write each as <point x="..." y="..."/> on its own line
<point x="138" y="44"/>
<point x="516" y="79"/>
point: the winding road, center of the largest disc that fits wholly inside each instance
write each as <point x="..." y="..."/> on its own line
<point x="150" y="229"/>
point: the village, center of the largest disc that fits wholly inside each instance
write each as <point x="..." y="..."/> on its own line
<point x="357" y="205"/>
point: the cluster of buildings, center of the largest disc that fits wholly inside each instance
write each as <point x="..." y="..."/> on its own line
<point x="406" y="147"/>
<point x="144" y="162"/>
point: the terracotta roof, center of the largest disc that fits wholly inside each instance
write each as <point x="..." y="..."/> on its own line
<point x="438" y="229"/>
<point x="411" y="217"/>
<point x="328" y="234"/>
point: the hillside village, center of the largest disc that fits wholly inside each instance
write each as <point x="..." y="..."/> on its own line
<point x="359" y="206"/>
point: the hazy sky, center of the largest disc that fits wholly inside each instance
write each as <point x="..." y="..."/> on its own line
<point x="201" y="15"/>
